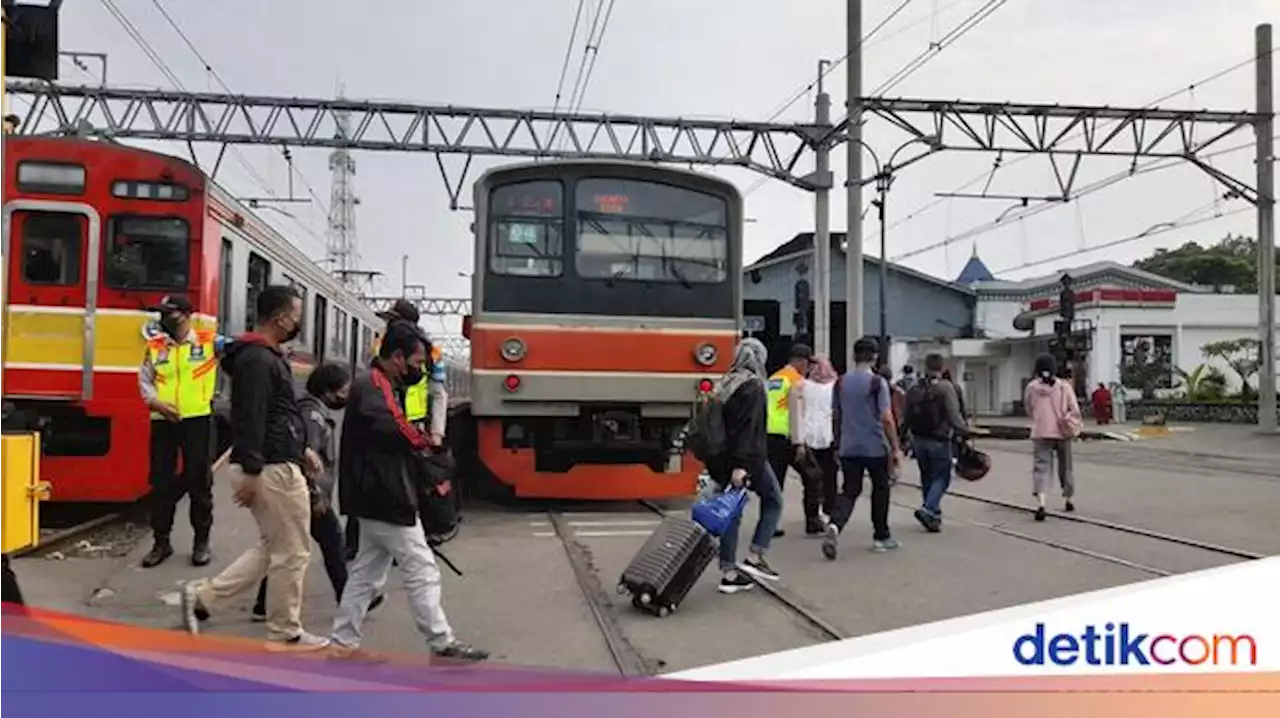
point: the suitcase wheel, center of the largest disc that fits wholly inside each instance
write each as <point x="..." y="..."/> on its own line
<point x="663" y="611"/>
<point x="622" y="589"/>
<point x="646" y="599"/>
<point x="636" y="604"/>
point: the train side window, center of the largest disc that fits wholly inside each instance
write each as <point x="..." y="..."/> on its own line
<point x="526" y="234"/>
<point x="51" y="244"/>
<point x="152" y="253"/>
<point x="224" y="286"/>
<point x="319" y="328"/>
<point x="259" y="278"/>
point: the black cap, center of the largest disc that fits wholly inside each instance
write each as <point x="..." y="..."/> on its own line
<point x="801" y="351"/>
<point x="173" y="303"/>
<point x="402" y="309"/>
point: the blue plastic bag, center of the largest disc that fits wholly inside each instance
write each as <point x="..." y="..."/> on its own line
<point x="716" y="513"/>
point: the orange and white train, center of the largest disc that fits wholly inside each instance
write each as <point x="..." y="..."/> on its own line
<point x="95" y="232"/>
<point x="605" y="297"/>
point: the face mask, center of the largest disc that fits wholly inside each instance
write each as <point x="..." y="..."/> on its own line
<point x="412" y="375"/>
<point x="171" y="325"/>
<point x="294" y="332"/>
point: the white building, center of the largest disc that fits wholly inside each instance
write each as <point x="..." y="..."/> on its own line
<point x="1118" y="307"/>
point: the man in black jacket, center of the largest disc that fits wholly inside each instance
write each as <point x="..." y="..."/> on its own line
<point x="268" y="452"/>
<point x="377" y="474"/>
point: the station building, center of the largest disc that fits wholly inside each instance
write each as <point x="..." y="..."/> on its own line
<point x="922" y="309"/>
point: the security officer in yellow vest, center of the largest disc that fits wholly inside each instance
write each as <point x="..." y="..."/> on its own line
<point x="177" y="379"/>
<point x="784" y="415"/>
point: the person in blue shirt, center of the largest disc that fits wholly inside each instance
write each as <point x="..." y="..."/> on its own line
<point x="867" y="443"/>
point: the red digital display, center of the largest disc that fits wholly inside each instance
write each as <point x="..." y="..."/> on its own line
<point x="611" y="203"/>
<point x="531" y="203"/>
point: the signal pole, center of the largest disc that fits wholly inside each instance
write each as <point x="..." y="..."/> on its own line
<point x="1264" y="129"/>
<point x="853" y="185"/>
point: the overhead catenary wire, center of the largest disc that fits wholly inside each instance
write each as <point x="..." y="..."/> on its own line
<point x="988" y="175"/>
<point x="568" y="53"/>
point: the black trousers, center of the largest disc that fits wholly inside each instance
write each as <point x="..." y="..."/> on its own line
<point x="12" y="594"/>
<point x="782" y="454"/>
<point x="194" y="438"/>
<point x="820" y="488"/>
<point x="854" y="468"/>
<point x="327" y="532"/>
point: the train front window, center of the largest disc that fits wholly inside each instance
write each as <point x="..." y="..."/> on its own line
<point x="645" y="231"/>
<point x="148" y="253"/>
<point x="51" y="248"/>
<point x="526" y="232"/>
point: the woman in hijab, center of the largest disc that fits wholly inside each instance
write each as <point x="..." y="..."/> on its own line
<point x="818" y="434"/>
<point x="745" y="462"/>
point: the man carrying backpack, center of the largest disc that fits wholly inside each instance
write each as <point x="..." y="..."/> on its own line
<point x="867" y="443"/>
<point x="934" y="420"/>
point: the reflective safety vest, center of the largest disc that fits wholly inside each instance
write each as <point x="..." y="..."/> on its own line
<point x="186" y="373"/>
<point x="417" y="398"/>
<point x="779" y="386"/>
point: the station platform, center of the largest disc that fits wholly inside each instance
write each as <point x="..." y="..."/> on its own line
<point x="519" y="596"/>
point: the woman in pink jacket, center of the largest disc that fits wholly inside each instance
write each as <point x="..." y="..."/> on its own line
<point x="1055" y="422"/>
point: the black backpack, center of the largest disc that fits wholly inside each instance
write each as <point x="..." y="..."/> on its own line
<point x="925" y="415"/>
<point x="706" y="436"/>
<point x="438" y="504"/>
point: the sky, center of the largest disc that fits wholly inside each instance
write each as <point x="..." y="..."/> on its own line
<point x="739" y="59"/>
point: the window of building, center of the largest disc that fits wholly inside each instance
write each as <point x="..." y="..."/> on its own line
<point x="51" y="247"/>
<point x="151" y="253"/>
<point x="259" y="277"/>
<point x="1146" y="362"/>
<point x="527" y="229"/>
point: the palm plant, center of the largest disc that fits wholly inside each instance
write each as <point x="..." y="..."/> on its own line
<point x="1203" y="383"/>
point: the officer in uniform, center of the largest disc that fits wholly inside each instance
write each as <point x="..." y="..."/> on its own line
<point x="177" y="380"/>
<point x="784" y="444"/>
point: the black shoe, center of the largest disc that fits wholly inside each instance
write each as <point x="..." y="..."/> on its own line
<point x="831" y="542"/>
<point x="735" y="584"/>
<point x="814" y="529"/>
<point x="200" y="555"/>
<point x="759" y="568"/>
<point x="458" y="651"/>
<point x="1070" y="506"/>
<point x="779" y="533"/>
<point x="1040" y="514"/>
<point x="158" y="554"/>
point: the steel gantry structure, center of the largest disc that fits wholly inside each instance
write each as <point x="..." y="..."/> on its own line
<point x="796" y="153"/>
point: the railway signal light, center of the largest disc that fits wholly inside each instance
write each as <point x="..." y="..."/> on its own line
<point x="512" y="383"/>
<point x="704" y="386"/>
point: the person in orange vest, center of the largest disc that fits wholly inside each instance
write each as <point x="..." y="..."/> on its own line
<point x="177" y="379"/>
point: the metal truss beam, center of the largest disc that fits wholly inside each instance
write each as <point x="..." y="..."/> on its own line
<point x="772" y="149"/>
<point x="1071" y="130"/>
<point x="428" y="306"/>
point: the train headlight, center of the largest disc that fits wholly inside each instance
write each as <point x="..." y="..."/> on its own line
<point x="513" y="349"/>
<point x="705" y="354"/>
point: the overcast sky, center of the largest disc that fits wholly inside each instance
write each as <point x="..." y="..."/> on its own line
<point x="727" y="59"/>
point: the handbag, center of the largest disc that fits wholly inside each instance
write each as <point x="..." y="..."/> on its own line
<point x="715" y="514"/>
<point x="1069" y="424"/>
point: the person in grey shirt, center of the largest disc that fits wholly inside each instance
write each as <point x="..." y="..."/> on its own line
<point x="933" y="417"/>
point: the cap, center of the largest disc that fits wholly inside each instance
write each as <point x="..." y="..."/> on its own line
<point x="173" y="303"/>
<point x="402" y="309"/>
<point x="801" y="351"/>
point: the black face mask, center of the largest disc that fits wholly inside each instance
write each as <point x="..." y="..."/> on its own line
<point x="293" y="333"/>
<point x="171" y="325"/>
<point x="412" y="375"/>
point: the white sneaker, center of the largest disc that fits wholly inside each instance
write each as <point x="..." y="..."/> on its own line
<point x="302" y="642"/>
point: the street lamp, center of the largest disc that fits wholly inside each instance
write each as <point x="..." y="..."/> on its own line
<point x="884" y="179"/>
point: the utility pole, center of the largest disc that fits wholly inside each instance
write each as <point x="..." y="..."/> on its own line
<point x="1266" y="232"/>
<point x="822" y="223"/>
<point x="882" y="186"/>
<point x="853" y="185"/>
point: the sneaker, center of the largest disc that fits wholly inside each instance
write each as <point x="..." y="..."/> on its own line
<point x="459" y="651"/>
<point x="830" y="541"/>
<point x="889" y="544"/>
<point x="357" y="655"/>
<point x="814" y="529"/>
<point x="258" y="614"/>
<point x="758" y="567"/>
<point x="931" y="523"/>
<point x="200" y="554"/>
<point x="1040" y="514"/>
<point x="302" y="642"/>
<point x="157" y="555"/>
<point x="735" y="583"/>
<point x="1070" y="506"/>
<point x="189" y="601"/>
<point x="779" y="533"/>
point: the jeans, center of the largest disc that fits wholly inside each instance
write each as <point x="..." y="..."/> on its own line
<point x="765" y="485"/>
<point x="282" y="510"/>
<point x="878" y="468"/>
<point x="933" y="456"/>
<point x="380" y="543"/>
<point x="327" y="533"/>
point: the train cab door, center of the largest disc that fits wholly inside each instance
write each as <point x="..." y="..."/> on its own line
<point x="354" y="343"/>
<point x="51" y="256"/>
